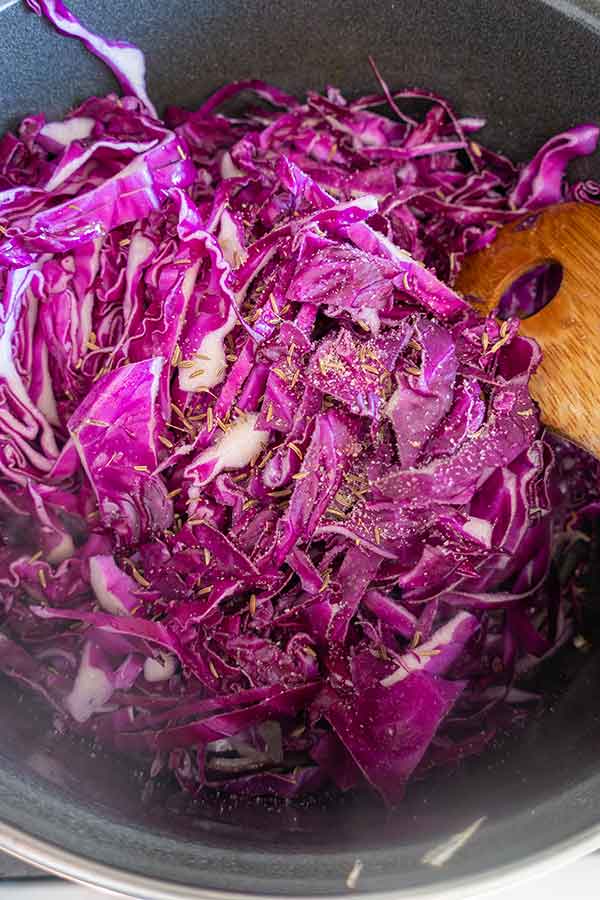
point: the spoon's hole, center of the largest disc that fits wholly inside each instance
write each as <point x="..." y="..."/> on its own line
<point x="531" y="291"/>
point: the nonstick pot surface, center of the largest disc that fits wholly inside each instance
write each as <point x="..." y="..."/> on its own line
<point x="533" y="68"/>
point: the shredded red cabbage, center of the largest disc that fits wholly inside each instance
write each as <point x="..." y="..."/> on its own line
<point x="277" y="509"/>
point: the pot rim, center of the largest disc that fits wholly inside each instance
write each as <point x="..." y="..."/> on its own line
<point x="90" y="873"/>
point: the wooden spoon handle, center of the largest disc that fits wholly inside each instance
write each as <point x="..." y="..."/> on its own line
<point x="567" y="383"/>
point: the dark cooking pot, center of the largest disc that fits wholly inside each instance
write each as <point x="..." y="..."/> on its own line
<point x="534" y="69"/>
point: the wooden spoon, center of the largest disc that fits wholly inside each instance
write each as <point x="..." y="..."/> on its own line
<point x="567" y="383"/>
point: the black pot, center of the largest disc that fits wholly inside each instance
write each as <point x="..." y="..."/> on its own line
<point x="533" y="68"/>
